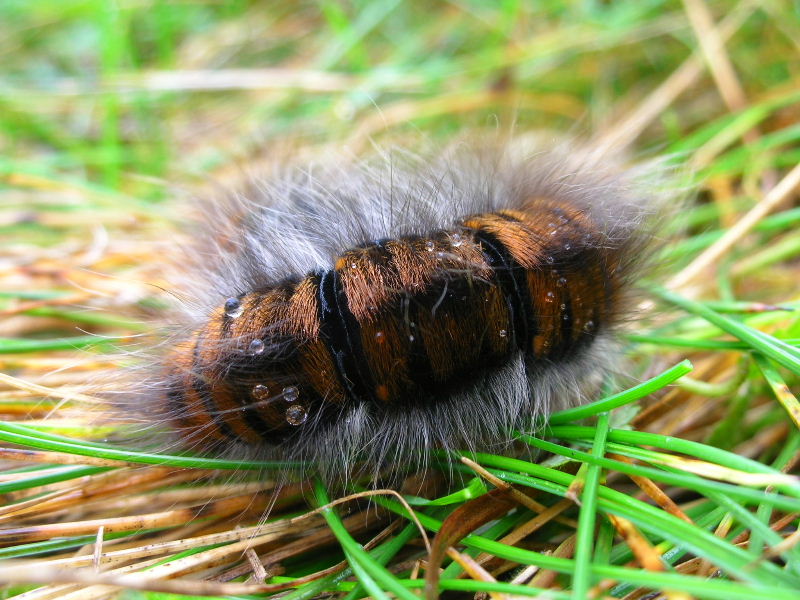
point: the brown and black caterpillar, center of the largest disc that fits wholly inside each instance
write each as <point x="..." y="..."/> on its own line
<point x="370" y="312"/>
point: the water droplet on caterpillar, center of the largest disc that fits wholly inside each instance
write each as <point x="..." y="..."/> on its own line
<point x="549" y="297"/>
<point x="256" y="347"/>
<point x="260" y="392"/>
<point x="562" y="306"/>
<point x="233" y="308"/>
<point x="429" y="246"/>
<point x="549" y="259"/>
<point x="562" y="281"/>
<point x="502" y="333"/>
<point x="456" y="240"/>
<point x="589" y="326"/>
<point x="291" y="393"/>
<point x="567" y="246"/>
<point x="296" y="415"/>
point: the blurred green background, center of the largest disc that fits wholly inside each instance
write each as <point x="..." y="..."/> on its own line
<point x="129" y="93"/>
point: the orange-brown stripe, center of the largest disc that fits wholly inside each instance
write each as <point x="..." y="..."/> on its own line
<point x="522" y="239"/>
<point x="188" y="411"/>
<point x="204" y="379"/>
<point x="386" y="349"/>
<point x="368" y="284"/>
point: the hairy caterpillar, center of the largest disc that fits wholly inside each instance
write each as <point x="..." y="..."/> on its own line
<point x="372" y="311"/>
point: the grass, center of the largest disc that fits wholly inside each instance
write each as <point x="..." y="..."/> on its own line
<point x="685" y="485"/>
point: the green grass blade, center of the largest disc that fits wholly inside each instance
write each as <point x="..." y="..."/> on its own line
<point x="778" y="350"/>
<point x="780" y="389"/>
<point x="626" y="397"/>
<point x="581" y="577"/>
<point x="17" y="434"/>
<point x="369" y="571"/>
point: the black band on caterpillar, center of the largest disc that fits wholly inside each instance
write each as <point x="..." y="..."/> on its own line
<point x="340" y="330"/>
<point x="510" y="276"/>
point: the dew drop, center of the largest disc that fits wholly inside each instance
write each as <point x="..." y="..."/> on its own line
<point x="562" y="281"/>
<point x="291" y="393"/>
<point x="256" y="347"/>
<point x="429" y="246"/>
<point x="565" y="317"/>
<point x="411" y="338"/>
<point x="563" y="306"/>
<point x="296" y="415"/>
<point x="549" y="259"/>
<point x="353" y="266"/>
<point x="456" y="240"/>
<point x="379" y="336"/>
<point x="260" y="392"/>
<point x="588" y="327"/>
<point x="549" y="297"/>
<point x="503" y="333"/>
<point x="567" y="246"/>
<point x="233" y="308"/>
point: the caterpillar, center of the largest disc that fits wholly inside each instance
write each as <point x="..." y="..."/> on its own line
<point x="366" y="313"/>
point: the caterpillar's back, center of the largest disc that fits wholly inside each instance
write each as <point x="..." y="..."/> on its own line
<point x="379" y="310"/>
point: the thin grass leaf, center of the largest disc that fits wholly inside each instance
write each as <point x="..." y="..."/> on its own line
<point x="369" y="571"/>
<point x="661" y="341"/>
<point x="18" y="346"/>
<point x="385" y="552"/>
<point x="630" y="395"/>
<point x="586" y="519"/>
<point x="778" y="350"/>
<point x="23" y="436"/>
<point x="671" y="443"/>
<point x="64" y="473"/>
<point x="779" y="387"/>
